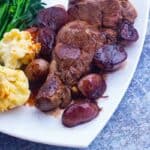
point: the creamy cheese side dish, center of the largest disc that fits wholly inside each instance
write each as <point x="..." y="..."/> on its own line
<point x="17" y="48"/>
<point x="14" y="88"/>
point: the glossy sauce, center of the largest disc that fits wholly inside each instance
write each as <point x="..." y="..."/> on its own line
<point x="56" y="113"/>
<point x="31" y="100"/>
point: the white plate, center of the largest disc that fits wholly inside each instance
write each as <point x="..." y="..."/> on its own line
<point x="30" y="124"/>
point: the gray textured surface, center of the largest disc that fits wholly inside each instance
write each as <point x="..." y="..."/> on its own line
<point x="128" y="129"/>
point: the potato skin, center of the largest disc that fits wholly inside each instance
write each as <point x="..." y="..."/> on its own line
<point x="110" y="57"/>
<point x="79" y="113"/>
<point x="92" y="86"/>
<point x="37" y="70"/>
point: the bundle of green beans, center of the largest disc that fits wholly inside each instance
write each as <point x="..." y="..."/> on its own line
<point x="18" y="14"/>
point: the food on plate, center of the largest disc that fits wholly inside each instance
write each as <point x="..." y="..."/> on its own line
<point x="102" y="12"/>
<point x="80" y="34"/>
<point x="110" y="57"/>
<point x="128" y="11"/>
<point x="37" y="70"/>
<point x="85" y="10"/>
<point x="127" y="33"/>
<point x="71" y="62"/>
<point x="14" y="88"/>
<point x="111" y="13"/>
<point x="53" y="17"/>
<point x="92" y="86"/>
<point x="108" y="35"/>
<point x="52" y="94"/>
<point x="34" y="31"/>
<point x="75" y="93"/>
<point x="66" y="55"/>
<point x="46" y="37"/>
<point x="80" y="112"/>
<point x="17" y="48"/>
<point x="49" y="21"/>
<point x="18" y="14"/>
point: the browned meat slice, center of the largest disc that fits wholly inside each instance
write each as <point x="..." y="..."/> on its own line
<point x="80" y="34"/>
<point x="111" y="11"/>
<point x="72" y="63"/>
<point x="96" y="12"/>
<point x="128" y="11"/>
<point x="85" y="10"/>
<point x="102" y="12"/>
<point x="52" y="94"/>
<point x="108" y="35"/>
<point x="74" y="55"/>
<point x="53" y="17"/>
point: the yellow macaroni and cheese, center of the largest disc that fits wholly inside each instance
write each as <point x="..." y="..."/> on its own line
<point x="14" y="88"/>
<point x="17" y="48"/>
